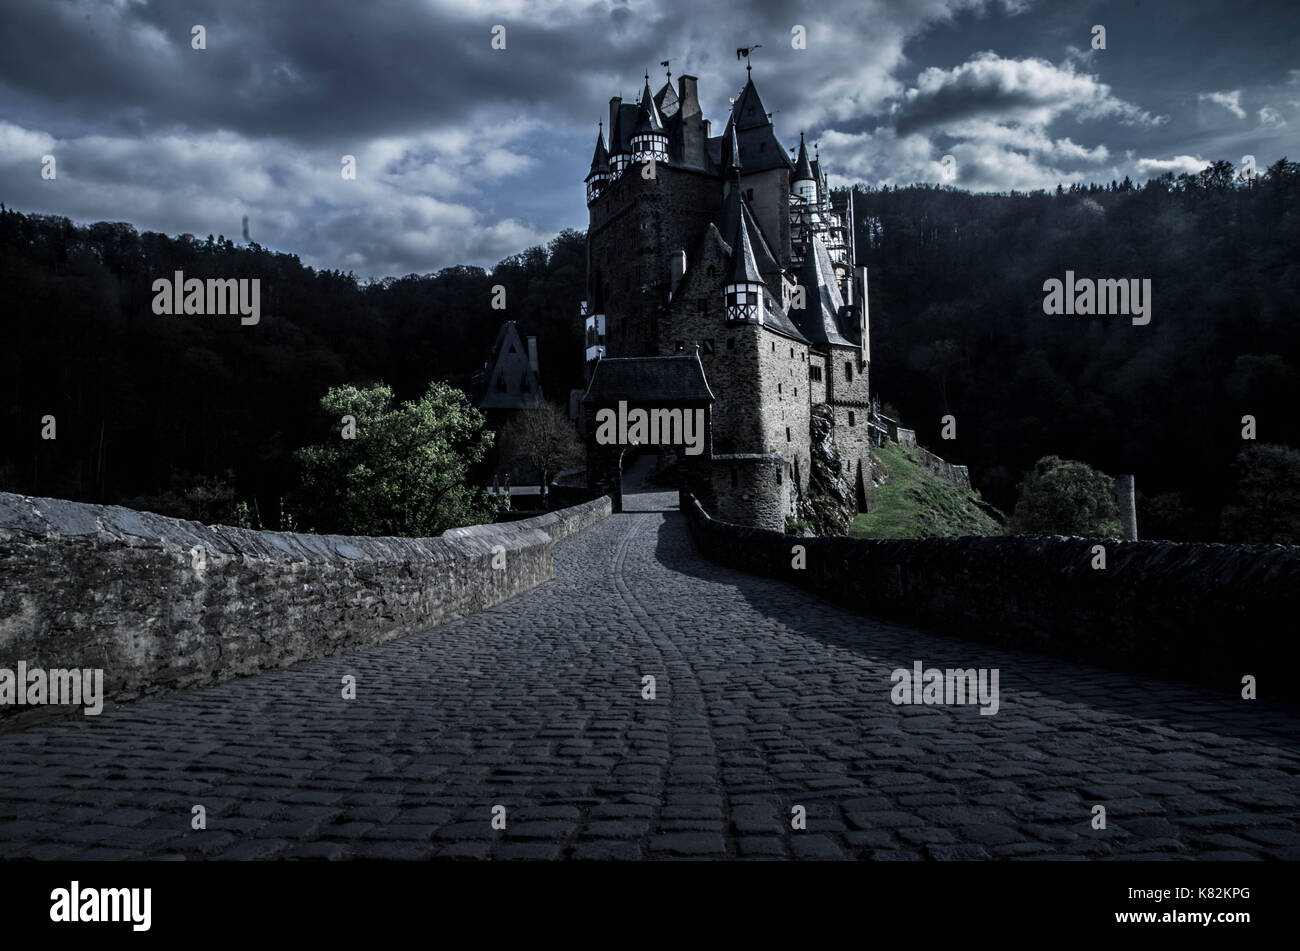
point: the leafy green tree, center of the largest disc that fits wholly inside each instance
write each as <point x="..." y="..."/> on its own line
<point x="1065" y="497"/>
<point x="1266" y="507"/>
<point x="403" y="470"/>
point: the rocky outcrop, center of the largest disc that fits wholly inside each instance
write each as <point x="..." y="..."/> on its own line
<point x="827" y="505"/>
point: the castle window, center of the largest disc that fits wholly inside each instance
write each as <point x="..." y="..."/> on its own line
<point x="731" y="343"/>
<point x="778" y="475"/>
<point x="851" y="422"/>
<point x="526" y="386"/>
<point x="778" y="389"/>
<point x="815" y="373"/>
<point x="792" y="353"/>
<point x="796" y="391"/>
<point x="787" y="434"/>
<point x="848" y="370"/>
<point x="713" y="271"/>
<point x="762" y="146"/>
<point x="774" y="346"/>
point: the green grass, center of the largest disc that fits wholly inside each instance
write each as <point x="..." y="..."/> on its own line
<point x="915" y="503"/>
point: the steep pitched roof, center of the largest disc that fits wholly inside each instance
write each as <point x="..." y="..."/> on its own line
<point x="510" y="382"/>
<point x="819" y="319"/>
<point x="649" y="379"/>
<point x="759" y="147"/>
<point x="734" y="209"/>
<point x="600" y="159"/>
<point x="744" y="266"/>
<point x="666" y="100"/>
<point x="802" y="169"/>
<point x="647" y="115"/>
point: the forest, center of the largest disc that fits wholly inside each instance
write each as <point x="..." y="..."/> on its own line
<point x="189" y="415"/>
<point x="958" y="328"/>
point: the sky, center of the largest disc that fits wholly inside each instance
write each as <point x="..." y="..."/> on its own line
<point x="465" y="153"/>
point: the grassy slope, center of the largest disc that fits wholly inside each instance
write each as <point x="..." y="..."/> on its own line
<point x="914" y="503"/>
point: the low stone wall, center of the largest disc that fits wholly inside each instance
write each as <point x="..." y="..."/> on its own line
<point x="942" y="468"/>
<point x="1211" y="613"/>
<point x="162" y="604"/>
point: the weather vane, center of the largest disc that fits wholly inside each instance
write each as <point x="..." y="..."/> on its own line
<point x="744" y="51"/>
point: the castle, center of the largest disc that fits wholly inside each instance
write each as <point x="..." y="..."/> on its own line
<point x="721" y="275"/>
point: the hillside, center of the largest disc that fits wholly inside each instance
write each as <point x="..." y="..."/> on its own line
<point x="916" y="503"/>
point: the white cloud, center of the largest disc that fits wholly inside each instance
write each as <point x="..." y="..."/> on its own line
<point x="1230" y="100"/>
<point x="1269" y="116"/>
<point x="1178" y="164"/>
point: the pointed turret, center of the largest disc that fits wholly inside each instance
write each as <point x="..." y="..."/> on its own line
<point x="744" y="289"/>
<point x="803" y="180"/>
<point x="649" y="140"/>
<point x="598" y="177"/>
<point x="731" y="158"/>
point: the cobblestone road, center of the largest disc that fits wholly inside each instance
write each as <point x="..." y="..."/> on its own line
<point x="767" y="699"/>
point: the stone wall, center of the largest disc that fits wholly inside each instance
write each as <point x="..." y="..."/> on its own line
<point x="752" y="489"/>
<point x="162" y="603"/>
<point x="1211" y="613"/>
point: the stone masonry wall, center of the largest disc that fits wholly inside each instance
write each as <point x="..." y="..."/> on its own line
<point x="162" y="603"/>
<point x="1206" y="612"/>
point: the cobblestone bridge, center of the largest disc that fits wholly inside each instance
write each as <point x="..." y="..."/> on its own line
<point x="766" y="699"/>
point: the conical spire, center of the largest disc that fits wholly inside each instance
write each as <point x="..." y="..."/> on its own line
<point x="803" y="170"/>
<point x="733" y="146"/>
<point x="600" y="159"/>
<point x="744" y="266"/>
<point x="647" y="116"/>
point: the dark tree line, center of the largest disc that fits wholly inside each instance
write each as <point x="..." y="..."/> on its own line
<point x="956" y="296"/>
<point x="189" y="415"/>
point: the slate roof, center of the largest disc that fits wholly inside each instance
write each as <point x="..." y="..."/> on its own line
<point x="666" y="100"/>
<point x="760" y="149"/>
<point x="819" y="319"/>
<point x="509" y="362"/>
<point x="649" y="380"/>
<point x="600" y="159"/>
<point x="733" y="208"/>
<point x="802" y="169"/>
<point x="647" y="114"/>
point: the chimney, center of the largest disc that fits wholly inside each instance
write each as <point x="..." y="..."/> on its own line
<point x="688" y="96"/>
<point x="614" y="103"/>
<point x="532" y="354"/>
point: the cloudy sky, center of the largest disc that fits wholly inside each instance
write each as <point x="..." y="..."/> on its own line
<point x="466" y="154"/>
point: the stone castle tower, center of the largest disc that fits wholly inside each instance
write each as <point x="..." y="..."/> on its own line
<point x="721" y="265"/>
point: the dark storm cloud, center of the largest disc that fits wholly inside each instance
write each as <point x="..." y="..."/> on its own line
<point x="466" y="154"/>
